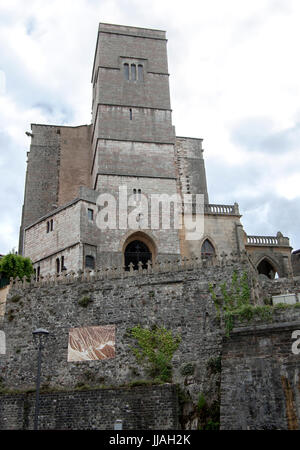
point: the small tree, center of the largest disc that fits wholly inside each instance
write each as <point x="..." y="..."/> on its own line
<point x="14" y="266"/>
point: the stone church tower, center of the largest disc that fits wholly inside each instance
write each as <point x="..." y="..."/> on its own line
<point x="131" y="144"/>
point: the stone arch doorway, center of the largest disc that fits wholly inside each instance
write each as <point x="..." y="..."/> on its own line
<point x="138" y="248"/>
<point x="265" y="267"/>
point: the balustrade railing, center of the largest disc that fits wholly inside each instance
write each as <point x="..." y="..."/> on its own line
<point x="221" y="209"/>
<point x="278" y="241"/>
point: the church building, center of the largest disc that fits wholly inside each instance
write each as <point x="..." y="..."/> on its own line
<point x="129" y="154"/>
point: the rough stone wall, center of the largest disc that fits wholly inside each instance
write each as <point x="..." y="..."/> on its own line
<point x="42" y="176"/>
<point x="75" y="162"/>
<point x="260" y="374"/>
<point x="140" y="408"/>
<point x="134" y="159"/>
<point x="58" y="164"/>
<point x="180" y="301"/>
<point x="40" y="244"/>
<point x="260" y="382"/>
<point x="296" y="263"/>
<point x="146" y="125"/>
<point x="191" y="168"/>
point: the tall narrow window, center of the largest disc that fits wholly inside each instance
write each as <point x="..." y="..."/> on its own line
<point x="51" y="225"/>
<point x="57" y="265"/>
<point x="48" y="227"/>
<point x="140" y="73"/>
<point x="90" y="214"/>
<point x="130" y="114"/>
<point x="126" y="71"/>
<point x="133" y="72"/>
<point x="207" y="250"/>
<point x="38" y="273"/>
<point x="62" y="263"/>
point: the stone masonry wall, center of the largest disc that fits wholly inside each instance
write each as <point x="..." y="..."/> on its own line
<point x="259" y="373"/>
<point x="260" y="383"/>
<point x="140" y="408"/>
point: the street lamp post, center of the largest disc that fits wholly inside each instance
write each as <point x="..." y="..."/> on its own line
<point x="39" y="335"/>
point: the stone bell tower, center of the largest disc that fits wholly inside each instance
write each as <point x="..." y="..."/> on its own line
<point x="132" y="134"/>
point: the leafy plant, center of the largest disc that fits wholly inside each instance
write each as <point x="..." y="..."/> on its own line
<point x="84" y="301"/>
<point x="235" y="302"/>
<point x="201" y="402"/>
<point x="155" y="349"/>
<point x="12" y="265"/>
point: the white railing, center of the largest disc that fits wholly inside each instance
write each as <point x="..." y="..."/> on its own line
<point x="262" y="240"/>
<point x="222" y="209"/>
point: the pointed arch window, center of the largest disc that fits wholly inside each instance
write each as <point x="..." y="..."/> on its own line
<point x="207" y="250"/>
<point x="266" y="268"/>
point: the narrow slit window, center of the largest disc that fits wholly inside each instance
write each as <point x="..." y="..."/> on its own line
<point x="130" y="114"/>
<point x="57" y="265"/>
<point x="90" y="214"/>
<point x="140" y="73"/>
<point x="126" y="71"/>
<point x="133" y="72"/>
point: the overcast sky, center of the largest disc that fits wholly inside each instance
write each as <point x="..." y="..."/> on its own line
<point x="234" y="78"/>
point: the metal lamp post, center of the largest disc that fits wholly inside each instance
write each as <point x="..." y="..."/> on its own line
<point x="39" y="335"/>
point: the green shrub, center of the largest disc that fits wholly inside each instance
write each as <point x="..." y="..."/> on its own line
<point x="84" y="301"/>
<point x="155" y="349"/>
<point x="14" y="266"/>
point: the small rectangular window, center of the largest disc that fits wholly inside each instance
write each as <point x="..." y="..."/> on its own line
<point x="90" y="214"/>
<point x="51" y="225"/>
<point x="48" y="227"/>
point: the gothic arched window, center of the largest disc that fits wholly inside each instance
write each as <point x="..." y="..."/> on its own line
<point x="266" y="268"/>
<point x="207" y="250"/>
<point x="135" y="252"/>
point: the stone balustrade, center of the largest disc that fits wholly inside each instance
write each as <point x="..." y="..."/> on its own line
<point x="222" y="209"/>
<point x="276" y="241"/>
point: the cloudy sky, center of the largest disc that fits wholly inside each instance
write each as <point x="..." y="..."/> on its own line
<point x="235" y="82"/>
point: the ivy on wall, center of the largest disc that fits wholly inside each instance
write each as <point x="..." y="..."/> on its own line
<point x="234" y="302"/>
